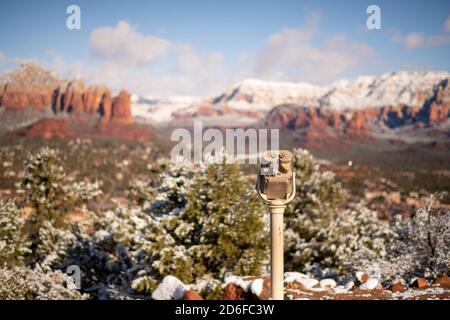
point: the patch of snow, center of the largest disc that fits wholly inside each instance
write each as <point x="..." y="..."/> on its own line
<point x="340" y="289"/>
<point x="293" y="276"/>
<point x="101" y="235"/>
<point x="349" y="285"/>
<point x="327" y="283"/>
<point x="171" y="288"/>
<point x="244" y="284"/>
<point x="308" y="283"/>
<point x="370" y="284"/>
<point x="256" y="286"/>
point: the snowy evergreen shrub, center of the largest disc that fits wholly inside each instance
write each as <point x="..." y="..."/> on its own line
<point x="51" y="193"/>
<point x="48" y="189"/>
<point x="352" y="235"/>
<point x="210" y="224"/>
<point x="319" y="236"/>
<point x="313" y="208"/>
<point x="13" y="245"/>
<point x="204" y="222"/>
<point x="422" y="249"/>
<point x="143" y="192"/>
<point x="21" y="283"/>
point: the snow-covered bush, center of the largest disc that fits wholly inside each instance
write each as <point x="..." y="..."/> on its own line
<point x="13" y="244"/>
<point x="352" y="235"/>
<point x="319" y="236"/>
<point x="316" y="202"/>
<point x="422" y="249"/>
<point x="51" y="193"/>
<point x="205" y="222"/>
<point x="48" y="189"/>
<point x="21" y="283"/>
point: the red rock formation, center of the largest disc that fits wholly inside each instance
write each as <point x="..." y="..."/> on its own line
<point x="12" y="99"/>
<point x="397" y="287"/>
<point x="106" y="107"/>
<point x="192" y="295"/>
<point x="121" y="109"/>
<point x="133" y="132"/>
<point x="443" y="281"/>
<point x="419" y="283"/>
<point x="15" y="98"/>
<point x="48" y="128"/>
<point x="233" y="292"/>
<point x="438" y="113"/>
<point x="72" y="101"/>
<point x="92" y="98"/>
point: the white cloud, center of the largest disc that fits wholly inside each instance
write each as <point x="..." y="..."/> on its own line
<point x="414" y="40"/>
<point x="123" y="44"/>
<point x="188" y="60"/>
<point x="126" y="59"/>
<point x="292" y="55"/>
<point x="447" y="24"/>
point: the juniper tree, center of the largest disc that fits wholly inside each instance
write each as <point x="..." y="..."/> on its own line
<point x="224" y="223"/>
<point x="217" y="229"/>
<point x="49" y="190"/>
<point x="317" y="199"/>
<point x="320" y="236"/>
<point x="51" y="193"/>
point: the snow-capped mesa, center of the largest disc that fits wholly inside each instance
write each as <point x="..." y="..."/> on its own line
<point x="251" y="99"/>
<point x="407" y="88"/>
<point x="255" y="95"/>
<point x="159" y="109"/>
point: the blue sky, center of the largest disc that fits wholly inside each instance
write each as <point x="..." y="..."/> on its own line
<point x="200" y="47"/>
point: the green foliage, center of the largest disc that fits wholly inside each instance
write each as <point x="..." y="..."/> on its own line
<point x="313" y="208"/>
<point x="422" y="249"/>
<point x="321" y="237"/>
<point x="48" y="189"/>
<point x="51" y="193"/>
<point x="353" y="233"/>
<point x="13" y="244"/>
<point x="213" y="225"/>
<point x="223" y="221"/>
